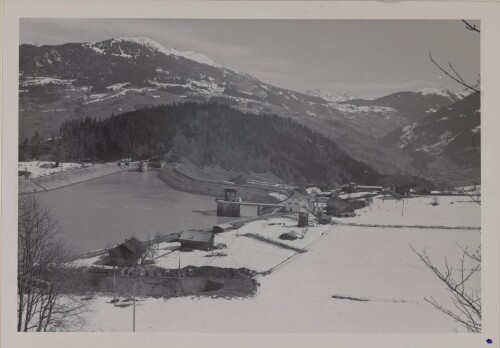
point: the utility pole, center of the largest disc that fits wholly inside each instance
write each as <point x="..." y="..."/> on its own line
<point x="135" y="275"/>
<point x="179" y="269"/>
<point x="403" y="208"/>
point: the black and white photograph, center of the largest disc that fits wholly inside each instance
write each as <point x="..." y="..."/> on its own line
<point x="212" y="175"/>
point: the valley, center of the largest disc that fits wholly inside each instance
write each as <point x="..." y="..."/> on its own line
<point x="267" y="176"/>
<point x="97" y="80"/>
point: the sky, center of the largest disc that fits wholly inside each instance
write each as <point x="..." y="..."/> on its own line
<point x="369" y="58"/>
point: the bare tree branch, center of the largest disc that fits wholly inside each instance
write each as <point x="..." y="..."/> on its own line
<point x="471" y="27"/>
<point x="456" y="73"/>
<point x="474" y="147"/>
<point x="458" y="80"/>
<point x="467" y="303"/>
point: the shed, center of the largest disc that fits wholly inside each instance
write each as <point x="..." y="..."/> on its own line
<point x="223" y="228"/>
<point x="197" y="240"/>
<point x="324" y="219"/>
<point x="127" y="253"/>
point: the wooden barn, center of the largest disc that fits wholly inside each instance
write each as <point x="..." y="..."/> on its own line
<point x="197" y="240"/>
<point x="127" y="253"/>
<point x="339" y="208"/>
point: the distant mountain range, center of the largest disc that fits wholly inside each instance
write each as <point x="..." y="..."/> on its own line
<point x="451" y="134"/>
<point x="75" y="80"/>
<point x="413" y="105"/>
<point x="331" y="96"/>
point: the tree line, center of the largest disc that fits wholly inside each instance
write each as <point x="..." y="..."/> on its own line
<point x="210" y="134"/>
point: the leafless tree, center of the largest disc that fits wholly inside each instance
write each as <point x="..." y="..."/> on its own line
<point x="466" y="300"/>
<point x="151" y="252"/>
<point x="43" y="277"/>
<point x="454" y="75"/>
<point x="475" y="195"/>
<point x="451" y="72"/>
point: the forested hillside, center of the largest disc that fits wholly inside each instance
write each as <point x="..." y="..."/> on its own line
<point x="211" y="134"/>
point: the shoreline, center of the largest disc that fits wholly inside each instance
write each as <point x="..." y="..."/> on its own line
<point x="67" y="178"/>
<point x="251" y="193"/>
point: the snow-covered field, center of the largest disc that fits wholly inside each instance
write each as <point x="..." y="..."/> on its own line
<point x="451" y="212"/>
<point x="355" y="195"/>
<point x="272" y="229"/>
<point x="234" y="249"/>
<point x="40" y="168"/>
<point x="373" y="263"/>
<point x="240" y="252"/>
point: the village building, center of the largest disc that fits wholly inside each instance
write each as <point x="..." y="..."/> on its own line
<point x="197" y="240"/>
<point x="143" y="166"/>
<point x="299" y="202"/>
<point x="349" y="188"/>
<point x="324" y="219"/>
<point x="230" y="194"/>
<point x="403" y="190"/>
<point x="128" y="253"/>
<point x="339" y="208"/>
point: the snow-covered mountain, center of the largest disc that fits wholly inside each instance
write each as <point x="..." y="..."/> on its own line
<point x="155" y="46"/>
<point x="99" y="79"/>
<point x="331" y="96"/>
<point x="467" y="91"/>
<point x="412" y="105"/>
<point x="438" y="91"/>
<point x="452" y="134"/>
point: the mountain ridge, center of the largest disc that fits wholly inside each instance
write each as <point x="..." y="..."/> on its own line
<point x="78" y="80"/>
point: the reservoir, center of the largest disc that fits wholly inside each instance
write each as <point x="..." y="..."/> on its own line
<point x="103" y="212"/>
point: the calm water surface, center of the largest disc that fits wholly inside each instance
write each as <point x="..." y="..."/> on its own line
<point x="104" y="211"/>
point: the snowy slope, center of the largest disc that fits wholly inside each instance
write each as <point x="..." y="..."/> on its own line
<point x="99" y="79"/>
<point x="119" y="75"/>
<point x="447" y="133"/>
<point x="331" y="96"/>
<point x="194" y="56"/>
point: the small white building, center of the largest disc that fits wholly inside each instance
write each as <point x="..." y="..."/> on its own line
<point x="299" y="202"/>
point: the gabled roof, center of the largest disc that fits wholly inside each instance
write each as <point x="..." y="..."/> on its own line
<point x="134" y="246"/>
<point x="196" y="236"/>
<point x="301" y="196"/>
